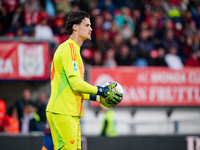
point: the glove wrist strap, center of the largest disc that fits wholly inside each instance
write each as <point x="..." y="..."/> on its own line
<point x="93" y="97"/>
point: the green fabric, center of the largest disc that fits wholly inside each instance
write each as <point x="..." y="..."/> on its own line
<point x="63" y="83"/>
<point x="36" y="116"/>
<point x="174" y="13"/>
<point x="61" y="143"/>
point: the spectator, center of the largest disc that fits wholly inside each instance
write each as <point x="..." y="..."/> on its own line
<point x="196" y="44"/>
<point x="144" y="47"/>
<point x="11" y="5"/>
<point x="123" y="17"/>
<point x="110" y="58"/>
<point x="140" y="62"/>
<point x="28" y="18"/>
<point x="61" y="35"/>
<point x="123" y="56"/>
<point x="173" y="60"/>
<point x="76" y="7"/>
<point x="144" y="42"/>
<point x="160" y="60"/>
<point x="126" y="31"/>
<point x="43" y="31"/>
<point x="58" y="22"/>
<point x="154" y="32"/>
<point x="108" y="126"/>
<point x="143" y="26"/>
<point x="179" y="31"/>
<point x="12" y="122"/>
<point x="172" y="10"/>
<point x="196" y="16"/>
<point x="113" y="31"/>
<point x="98" y="28"/>
<point x="26" y="99"/>
<point x="168" y="25"/>
<point x="183" y="5"/>
<point x="17" y="19"/>
<point x="154" y="12"/>
<point x="191" y="29"/>
<point x="64" y="6"/>
<point x="97" y="58"/>
<point x="107" y="24"/>
<point x="19" y="33"/>
<point x="40" y="105"/>
<point x="31" y="34"/>
<point x="105" y="43"/>
<point x="117" y="42"/>
<point x="136" y="17"/>
<point x="134" y="49"/>
<point x="192" y="60"/>
<point x="120" y="3"/>
<point x="5" y="20"/>
<point x="188" y="46"/>
<point x="29" y="121"/>
<point x="87" y="54"/>
<point x="34" y="5"/>
<point x="2" y="114"/>
<point x="170" y="41"/>
<point x="39" y="15"/>
<point x="50" y="9"/>
<point x="187" y="18"/>
<point x="106" y="5"/>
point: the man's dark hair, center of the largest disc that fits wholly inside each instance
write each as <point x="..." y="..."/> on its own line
<point x="74" y="18"/>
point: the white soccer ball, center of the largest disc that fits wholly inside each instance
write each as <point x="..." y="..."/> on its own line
<point x="117" y="88"/>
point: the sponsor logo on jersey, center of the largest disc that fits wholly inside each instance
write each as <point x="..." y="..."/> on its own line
<point x="75" y="66"/>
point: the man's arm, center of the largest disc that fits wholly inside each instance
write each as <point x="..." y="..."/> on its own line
<point x="95" y="93"/>
<point x="78" y="84"/>
<point x="81" y="86"/>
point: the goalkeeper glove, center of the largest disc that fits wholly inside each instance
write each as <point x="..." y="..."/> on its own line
<point x="101" y="100"/>
<point x="111" y="96"/>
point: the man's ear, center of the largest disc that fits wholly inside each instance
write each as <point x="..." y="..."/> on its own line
<point x="75" y="27"/>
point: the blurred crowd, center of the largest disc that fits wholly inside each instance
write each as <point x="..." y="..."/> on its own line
<point x="25" y="115"/>
<point x="129" y="32"/>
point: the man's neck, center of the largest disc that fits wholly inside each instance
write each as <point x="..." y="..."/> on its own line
<point x="76" y="39"/>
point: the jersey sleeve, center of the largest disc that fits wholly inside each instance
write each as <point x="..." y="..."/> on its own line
<point x="80" y="85"/>
<point x="86" y="96"/>
<point x="69" y="61"/>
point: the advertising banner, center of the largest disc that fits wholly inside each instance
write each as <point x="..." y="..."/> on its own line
<point x="24" y="61"/>
<point x="152" y="86"/>
<point x="146" y="142"/>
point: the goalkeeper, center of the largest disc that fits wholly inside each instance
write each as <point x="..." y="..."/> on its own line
<point x="68" y="88"/>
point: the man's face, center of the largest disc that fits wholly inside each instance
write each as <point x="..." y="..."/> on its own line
<point x="84" y="29"/>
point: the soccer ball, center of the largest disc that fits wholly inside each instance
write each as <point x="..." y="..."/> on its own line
<point x="117" y="88"/>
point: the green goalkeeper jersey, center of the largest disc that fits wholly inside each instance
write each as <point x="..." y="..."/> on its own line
<point x="68" y="87"/>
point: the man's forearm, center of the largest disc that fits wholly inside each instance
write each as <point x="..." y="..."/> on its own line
<point x="80" y="85"/>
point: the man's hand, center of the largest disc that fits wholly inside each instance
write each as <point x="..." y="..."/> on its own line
<point x="102" y="101"/>
<point x="111" y="96"/>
